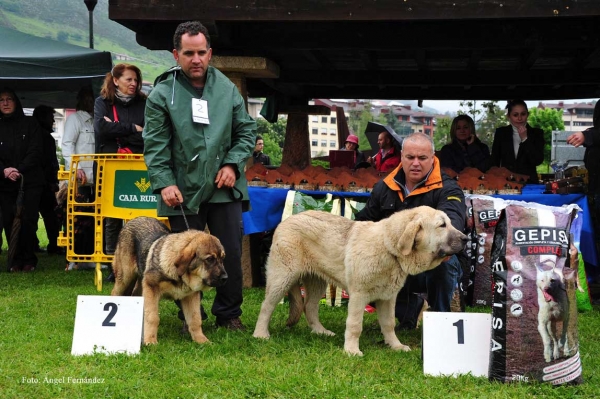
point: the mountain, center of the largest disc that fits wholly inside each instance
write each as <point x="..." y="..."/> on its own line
<point x="67" y="21"/>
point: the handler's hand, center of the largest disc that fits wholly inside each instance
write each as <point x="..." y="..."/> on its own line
<point x="171" y="195"/>
<point x="8" y="171"/>
<point x="576" y="139"/>
<point x="81" y="176"/>
<point x="14" y="176"/>
<point x="225" y="177"/>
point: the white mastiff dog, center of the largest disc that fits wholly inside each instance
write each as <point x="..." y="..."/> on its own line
<point x="371" y="260"/>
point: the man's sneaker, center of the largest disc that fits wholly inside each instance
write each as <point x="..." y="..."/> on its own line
<point x="234" y="324"/>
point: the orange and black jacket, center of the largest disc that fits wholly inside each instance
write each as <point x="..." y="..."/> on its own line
<point x="437" y="190"/>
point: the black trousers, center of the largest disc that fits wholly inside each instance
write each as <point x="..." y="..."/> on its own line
<point x="224" y="221"/>
<point x="48" y="206"/>
<point x="25" y="255"/>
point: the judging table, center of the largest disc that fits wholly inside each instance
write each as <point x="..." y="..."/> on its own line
<point x="267" y="207"/>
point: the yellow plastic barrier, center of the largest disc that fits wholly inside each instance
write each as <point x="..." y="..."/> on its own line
<point x="122" y="190"/>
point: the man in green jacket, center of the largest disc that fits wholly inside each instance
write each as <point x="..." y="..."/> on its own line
<point x="197" y="139"/>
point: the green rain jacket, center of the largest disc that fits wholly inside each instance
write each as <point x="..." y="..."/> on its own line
<point x="179" y="151"/>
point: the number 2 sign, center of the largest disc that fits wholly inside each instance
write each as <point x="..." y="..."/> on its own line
<point x="107" y="324"/>
<point x="456" y="343"/>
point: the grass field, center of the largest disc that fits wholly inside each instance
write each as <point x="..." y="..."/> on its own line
<point x="37" y="312"/>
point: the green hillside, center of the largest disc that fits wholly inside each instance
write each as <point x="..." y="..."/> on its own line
<point x="67" y="21"/>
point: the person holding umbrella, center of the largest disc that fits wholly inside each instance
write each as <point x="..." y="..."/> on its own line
<point x="21" y="181"/>
<point x="388" y="156"/>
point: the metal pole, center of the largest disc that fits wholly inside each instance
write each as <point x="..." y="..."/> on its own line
<point x="91" y="29"/>
<point x="91" y="4"/>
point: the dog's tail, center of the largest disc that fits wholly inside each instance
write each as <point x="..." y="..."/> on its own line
<point x="296" y="305"/>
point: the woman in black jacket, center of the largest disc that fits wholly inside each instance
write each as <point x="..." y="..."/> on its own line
<point x="119" y="111"/>
<point x="20" y="160"/>
<point x="118" y="125"/>
<point x="465" y="150"/>
<point x="518" y="147"/>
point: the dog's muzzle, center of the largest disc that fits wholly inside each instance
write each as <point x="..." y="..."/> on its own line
<point x="217" y="281"/>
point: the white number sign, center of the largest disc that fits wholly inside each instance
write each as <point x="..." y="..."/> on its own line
<point x="456" y="343"/>
<point x="108" y="324"/>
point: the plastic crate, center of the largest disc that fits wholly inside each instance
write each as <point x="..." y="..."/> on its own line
<point x="122" y="190"/>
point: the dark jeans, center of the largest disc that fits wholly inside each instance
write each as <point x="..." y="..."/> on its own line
<point x="25" y="252"/>
<point x="84" y="225"/>
<point x="439" y="284"/>
<point x="48" y="211"/>
<point x="224" y="221"/>
<point x="112" y="228"/>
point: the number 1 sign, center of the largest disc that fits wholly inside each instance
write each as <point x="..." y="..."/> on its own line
<point x="108" y="324"/>
<point x="456" y="343"/>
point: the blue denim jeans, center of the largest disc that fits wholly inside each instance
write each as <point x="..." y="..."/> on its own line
<point x="438" y="284"/>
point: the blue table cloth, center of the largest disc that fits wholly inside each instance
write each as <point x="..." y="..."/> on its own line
<point x="267" y="206"/>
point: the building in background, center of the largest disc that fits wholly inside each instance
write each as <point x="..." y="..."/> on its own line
<point x="323" y="128"/>
<point x="576" y="116"/>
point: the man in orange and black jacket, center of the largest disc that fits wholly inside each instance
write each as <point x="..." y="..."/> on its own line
<point x="418" y="180"/>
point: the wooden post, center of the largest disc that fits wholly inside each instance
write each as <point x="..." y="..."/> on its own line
<point x="296" y="152"/>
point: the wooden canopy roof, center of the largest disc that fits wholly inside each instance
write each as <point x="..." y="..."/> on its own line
<point x="385" y="49"/>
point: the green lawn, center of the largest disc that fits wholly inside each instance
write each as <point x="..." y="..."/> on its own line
<point x="37" y="318"/>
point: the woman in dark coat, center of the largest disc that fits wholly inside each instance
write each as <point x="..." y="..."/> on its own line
<point x="465" y="150"/>
<point x="518" y="147"/>
<point x="351" y="144"/>
<point x="118" y="125"/>
<point x="119" y="111"/>
<point x="20" y="158"/>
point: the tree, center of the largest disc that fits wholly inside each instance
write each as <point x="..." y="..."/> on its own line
<point x="548" y="120"/>
<point x="358" y="123"/>
<point x="487" y="119"/>
<point x="441" y="135"/>
<point x="273" y="135"/>
<point x="390" y="120"/>
<point x="493" y="118"/>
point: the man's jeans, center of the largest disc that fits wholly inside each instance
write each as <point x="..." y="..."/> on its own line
<point x="439" y="284"/>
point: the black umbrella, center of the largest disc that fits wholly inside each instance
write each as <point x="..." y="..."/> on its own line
<point x="16" y="227"/>
<point x="372" y="132"/>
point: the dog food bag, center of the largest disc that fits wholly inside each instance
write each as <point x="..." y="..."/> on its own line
<point x="468" y="258"/>
<point x="534" y="311"/>
<point x="486" y="211"/>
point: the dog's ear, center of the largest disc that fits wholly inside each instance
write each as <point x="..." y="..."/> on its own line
<point x="409" y="236"/>
<point x="186" y="256"/>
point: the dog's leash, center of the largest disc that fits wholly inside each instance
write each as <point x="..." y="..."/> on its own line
<point x="232" y="195"/>
<point x="184" y="218"/>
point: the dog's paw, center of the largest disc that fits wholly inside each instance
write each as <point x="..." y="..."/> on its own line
<point x="323" y="331"/>
<point x="261" y="335"/>
<point x="353" y="352"/>
<point x="400" y="347"/>
<point x="153" y="341"/>
<point x="202" y="340"/>
<point x="547" y="358"/>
